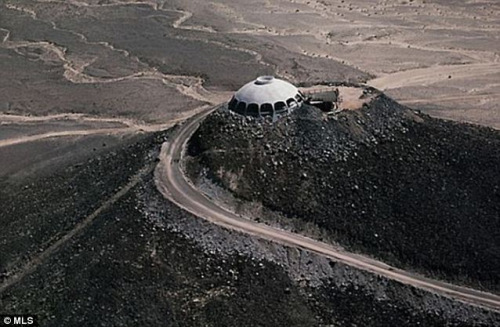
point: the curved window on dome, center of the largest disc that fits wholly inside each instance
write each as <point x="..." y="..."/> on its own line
<point x="280" y="106"/>
<point x="266" y="109"/>
<point x="232" y="104"/>
<point x="298" y="97"/>
<point x="240" y="107"/>
<point x="291" y="102"/>
<point x="253" y="109"/>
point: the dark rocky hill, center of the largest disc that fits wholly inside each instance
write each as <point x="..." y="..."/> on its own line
<point x="144" y="261"/>
<point x="384" y="180"/>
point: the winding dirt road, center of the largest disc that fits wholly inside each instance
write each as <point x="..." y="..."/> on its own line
<point x="169" y="176"/>
<point x="172" y="183"/>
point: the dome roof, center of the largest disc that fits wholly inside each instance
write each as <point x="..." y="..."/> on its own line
<point x="266" y="89"/>
<point x="265" y="96"/>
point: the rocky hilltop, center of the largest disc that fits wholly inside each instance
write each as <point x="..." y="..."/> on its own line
<point x="144" y="261"/>
<point x="384" y="180"/>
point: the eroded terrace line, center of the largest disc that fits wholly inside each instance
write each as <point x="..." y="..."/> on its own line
<point x="31" y="265"/>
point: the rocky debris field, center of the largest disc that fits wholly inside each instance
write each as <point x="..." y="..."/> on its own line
<point x="144" y="261"/>
<point x="417" y="192"/>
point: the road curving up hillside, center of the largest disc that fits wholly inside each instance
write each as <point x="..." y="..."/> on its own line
<point x="173" y="184"/>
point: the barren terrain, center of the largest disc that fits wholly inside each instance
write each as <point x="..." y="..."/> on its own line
<point x="87" y="85"/>
<point x="152" y="59"/>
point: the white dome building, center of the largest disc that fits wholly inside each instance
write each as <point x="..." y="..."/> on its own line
<point x="266" y="96"/>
